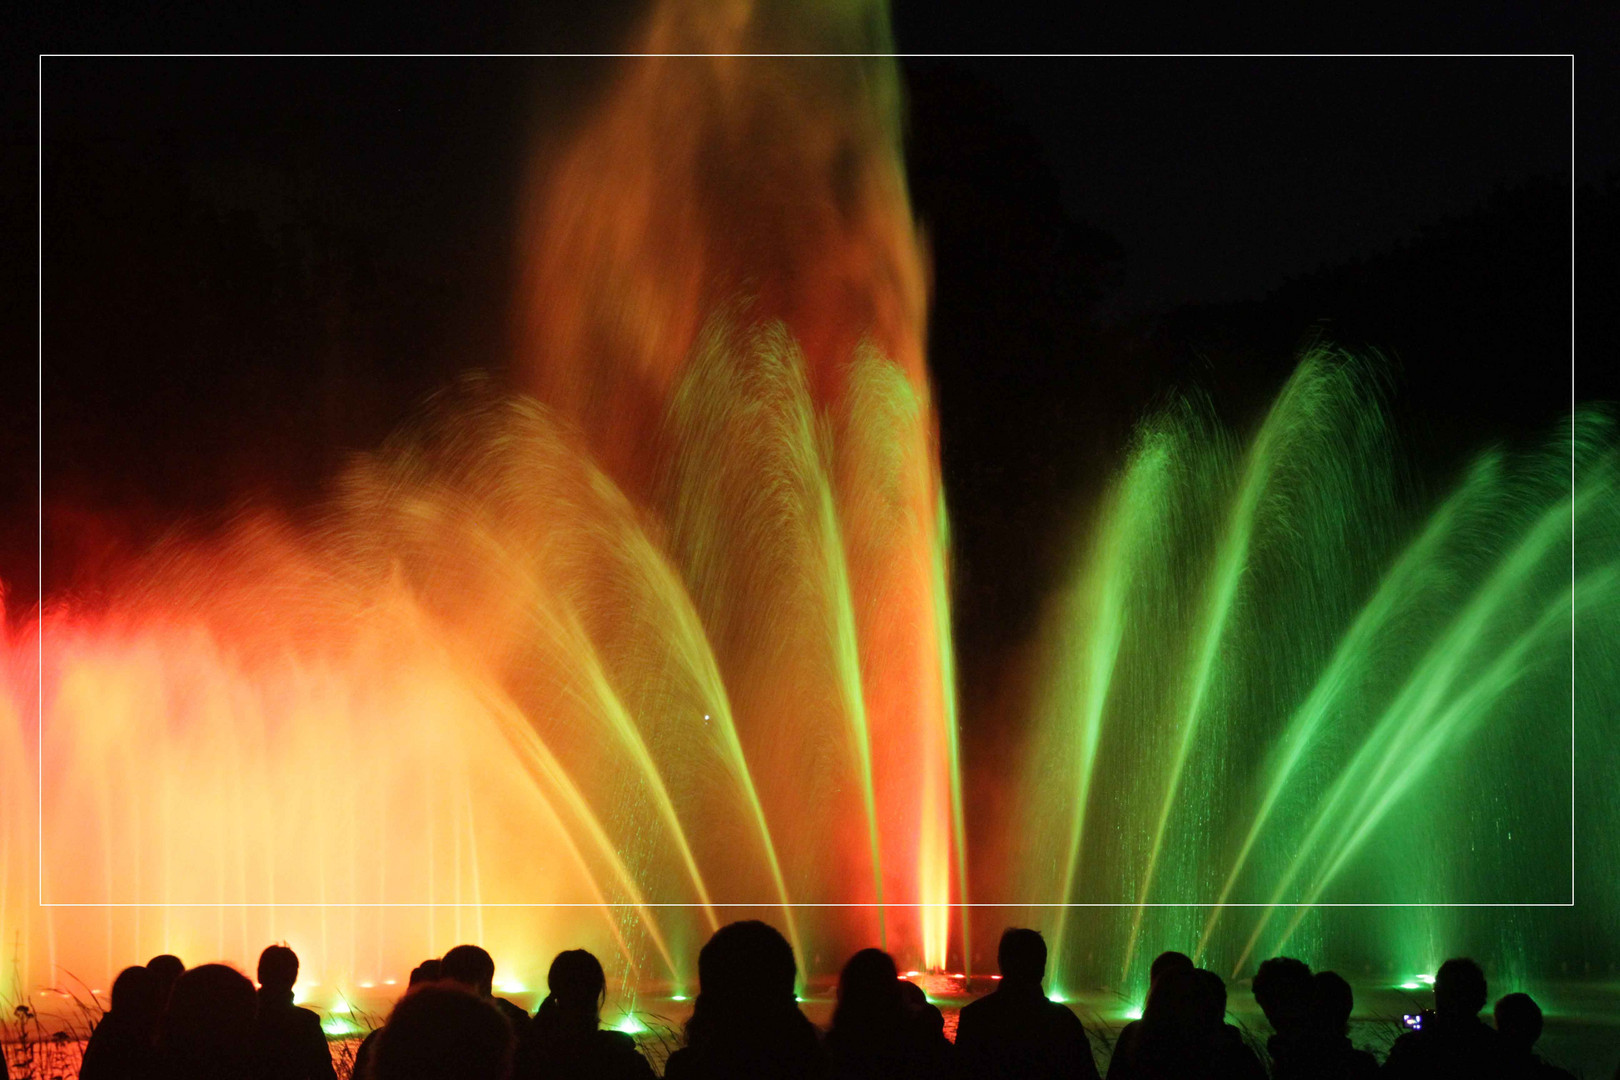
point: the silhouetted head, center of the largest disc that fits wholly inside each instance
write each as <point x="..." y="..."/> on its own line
<point x="1459" y="988"/>
<point x="919" y="1008"/>
<point x="167" y="969"/>
<point x="746" y="974"/>
<point x="1331" y="1002"/>
<point x="208" y="1027"/>
<point x="1021" y="956"/>
<point x="443" y="1032"/>
<point x="576" y="985"/>
<point x="869" y="995"/>
<point x="135" y="998"/>
<point x="1176" y="1003"/>
<point x="1518" y="1021"/>
<point x="1211" y="998"/>
<point x="425" y="972"/>
<point x="278" y="968"/>
<point x="470" y="966"/>
<point x="1166" y="961"/>
<point x="747" y="961"/>
<point x="1283" y="990"/>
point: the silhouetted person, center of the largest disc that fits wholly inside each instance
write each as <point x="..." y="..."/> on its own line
<point x="121" y="1046"/>
<point x="167" y="968"/>
<point x="1166" y="1042"/>
<point x="1183" y="1033"/>
<point x="1015" y="1032"/>
<point x="924" y="1013"/>
<point x="288" y="1041"/>
<point x="566" y="1039"/>
<point x="474" y="968"/>
<point x="746" y="1023"/>
<point x="207" y="1031"/>
<point x="876" y="1032"/>
<point x="1125" y="1041"/>
<point x="1453" y="1041"/>
<point x="1285" y="991"/>
<point x="1230" y="1055"/>
<point x="425" y="972"/>
<point x="1331" y="1056"/>
<point x="1518" y="1026"/>
<point x="442" y="1031"/>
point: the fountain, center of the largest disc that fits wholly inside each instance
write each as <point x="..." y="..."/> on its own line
<point x="647" y="635"/>
<point x="653" y="633"/>
<point x="1286" y="706"/>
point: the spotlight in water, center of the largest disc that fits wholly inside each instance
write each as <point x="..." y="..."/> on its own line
<point x="1411" y="986"/>
<point x="630" y="1025"/>
<point x="336" y="1025"/>
<point x="1134" y="1012"/>
<point x="677" y="997"/>
<point x="340" y="1006"/>
<point x="1427" y="980"/>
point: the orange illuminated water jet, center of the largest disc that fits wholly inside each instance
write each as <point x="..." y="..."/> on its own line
<point x="657" y="642"/>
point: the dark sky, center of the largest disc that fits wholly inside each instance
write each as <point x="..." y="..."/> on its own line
<point x="1224" y="176"/>
<point x="254" y="267"/>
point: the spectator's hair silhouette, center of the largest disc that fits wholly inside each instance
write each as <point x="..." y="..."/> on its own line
<point x="1021" y="955"/>
<point x="746" y="966"/>
<point x="442" y="1032"/>
<point x="1331" y="1001"/>
<point x="120" y="1047"/>
<point x="745" y="1021"/>
<point x="1167" y="961"/>
<point x="1173" y="1002"/>
<point x="925" y="1012"/>
<point x="1283" y="989"/>
<point x="470" y="966"/>
<point x="278" y="968"/>
<point x="1211" y="999"/>
<point x="1518" y="1021"/>
<point x="167" y="968"/>
<point x="135" y="996"/>
<point x="207" y="1031"/>
<point x="869" y="995"/>
<point x="427" y="971"/>
<point x="576" y="986"/>
<point x="1459" y="988"/>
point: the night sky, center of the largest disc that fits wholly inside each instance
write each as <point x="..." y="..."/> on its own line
<point x="254" y="267"/>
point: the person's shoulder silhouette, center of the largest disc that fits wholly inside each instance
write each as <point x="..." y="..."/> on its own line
<point x="1453" y="1042"/>
<point x="288" y="1042"/>
<point x="1016" y="1031"/>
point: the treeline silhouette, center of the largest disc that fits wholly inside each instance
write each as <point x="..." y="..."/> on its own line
<point x="210" y="1023"/>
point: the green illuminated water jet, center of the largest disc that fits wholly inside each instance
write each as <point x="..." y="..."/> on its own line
<point x="1287" y="677"/>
